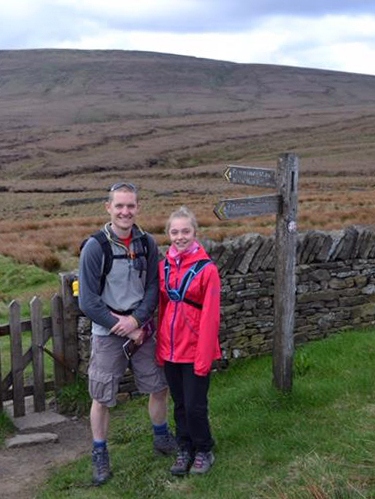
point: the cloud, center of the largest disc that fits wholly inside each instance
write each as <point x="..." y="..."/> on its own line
<point x="322" y="43"/>
<point x="182" y="16"/>
<point x="197" y="16"/>
<point x="329" y="34"/>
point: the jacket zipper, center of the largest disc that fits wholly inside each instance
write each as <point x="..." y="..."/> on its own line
<point x="173" y="319"/>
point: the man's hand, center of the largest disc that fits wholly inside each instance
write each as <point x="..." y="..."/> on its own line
<point x="125" y="325"/>
<point x="137" y="336"/>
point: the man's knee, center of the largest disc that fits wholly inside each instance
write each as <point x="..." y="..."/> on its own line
<point x="161" y="395"/>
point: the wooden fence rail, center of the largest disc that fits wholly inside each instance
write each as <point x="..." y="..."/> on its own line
<point x="12" y="384"/>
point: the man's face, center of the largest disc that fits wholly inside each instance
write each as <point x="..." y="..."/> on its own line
<point x="123" y="210"/>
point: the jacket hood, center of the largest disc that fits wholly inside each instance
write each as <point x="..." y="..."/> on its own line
<point x="188" y="257"/>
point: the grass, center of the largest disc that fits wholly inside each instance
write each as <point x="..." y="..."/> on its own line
<point x="22" y="282"/>
<point x="74" y="399"/>
<point x="317" y="442"/>
<point x="5" y="357"/>
<point x="6" y="427"/>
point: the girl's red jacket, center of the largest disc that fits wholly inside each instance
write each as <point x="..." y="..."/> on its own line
<point x="185" y="333"/>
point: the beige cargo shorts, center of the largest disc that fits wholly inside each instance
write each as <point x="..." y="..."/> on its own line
<point x="108" y="365"/>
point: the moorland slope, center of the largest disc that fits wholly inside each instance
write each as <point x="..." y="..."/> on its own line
<point x="72" y="122"/>
<point x="69" y="111"/>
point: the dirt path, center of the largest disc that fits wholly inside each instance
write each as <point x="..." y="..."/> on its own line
<point x="23" y="469"/>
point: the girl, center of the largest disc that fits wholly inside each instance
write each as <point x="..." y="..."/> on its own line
<point x="188" y="338"/>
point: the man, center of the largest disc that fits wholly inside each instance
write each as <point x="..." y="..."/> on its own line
<point x="121" y="308"/>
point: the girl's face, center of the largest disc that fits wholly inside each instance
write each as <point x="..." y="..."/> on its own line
<point x="181" y="233"/>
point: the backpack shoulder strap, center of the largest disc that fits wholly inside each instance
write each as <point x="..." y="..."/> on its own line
<point x="145" y="245"/>
<point x="190" y="274"/>
<point x="179" y="294"/>
<point x="108" y="256"/>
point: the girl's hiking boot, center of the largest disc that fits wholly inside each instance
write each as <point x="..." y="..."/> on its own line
<point x="202" y="463"/>
<point x="165" y="445"/>
<point x="182" y="464"/>
<point x="100" y="466"/>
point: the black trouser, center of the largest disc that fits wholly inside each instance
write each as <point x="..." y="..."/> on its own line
<point x="189" y="394"/>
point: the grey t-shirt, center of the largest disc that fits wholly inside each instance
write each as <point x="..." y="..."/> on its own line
<point x="131" y="285"/>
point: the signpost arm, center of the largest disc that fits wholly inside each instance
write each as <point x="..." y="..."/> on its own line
<point x="285" y="276"/>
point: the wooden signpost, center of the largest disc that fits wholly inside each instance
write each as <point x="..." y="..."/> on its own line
<point x="245" y="207"/>
<point x="261" y="177"/>
<point x="284" y="204"/>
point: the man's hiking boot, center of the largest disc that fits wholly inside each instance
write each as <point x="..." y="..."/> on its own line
<point x="182" y="464"/>
<point x="202" y="463"/>
<point x="100" y="466"/>
<point x="165" y="445"/>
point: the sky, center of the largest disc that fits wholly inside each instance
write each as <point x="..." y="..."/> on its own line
<point x="322" y="34"/>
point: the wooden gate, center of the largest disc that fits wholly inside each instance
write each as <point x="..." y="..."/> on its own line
<point x="50" y="336"/>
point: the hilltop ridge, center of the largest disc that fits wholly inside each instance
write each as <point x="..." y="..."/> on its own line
<point x="65" y="87"/>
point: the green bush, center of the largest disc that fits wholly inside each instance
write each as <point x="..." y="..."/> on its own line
<point x="52" y="263"/>
<point x="74" y="399"/>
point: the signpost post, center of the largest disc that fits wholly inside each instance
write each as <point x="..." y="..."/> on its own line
<point x="284" y="205"/>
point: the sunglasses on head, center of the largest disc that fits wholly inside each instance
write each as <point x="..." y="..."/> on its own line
<point x="127" y="185"/>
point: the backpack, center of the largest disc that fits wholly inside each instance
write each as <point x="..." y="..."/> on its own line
<point x="109" y="256"/>
<point x="179" y="294"/>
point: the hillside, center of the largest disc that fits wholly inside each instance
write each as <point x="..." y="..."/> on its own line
<point x="73" y="122"/>
<point x="66" y="111"/>
<point x="61" y="87"/>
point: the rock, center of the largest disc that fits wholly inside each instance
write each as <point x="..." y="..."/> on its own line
<point x="31" y="439"/>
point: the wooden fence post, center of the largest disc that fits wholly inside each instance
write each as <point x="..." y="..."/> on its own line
<point x="284" y="298"/>
<point x="1" y="384"/>
<point x="38" y="356"/>
<point x="58" y="342"/>
<point x="70" y="315"/>
<point x="17" y="358"/>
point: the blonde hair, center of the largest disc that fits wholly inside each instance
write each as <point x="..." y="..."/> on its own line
<point x="122" y="187"/>
<point x="182" y="212"/>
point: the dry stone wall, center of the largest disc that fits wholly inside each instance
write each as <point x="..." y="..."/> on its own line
<point x="335" y="288"/>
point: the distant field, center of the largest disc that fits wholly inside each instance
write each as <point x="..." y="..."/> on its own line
<point x="45" y="226"/>
<point x="74" y="122"/>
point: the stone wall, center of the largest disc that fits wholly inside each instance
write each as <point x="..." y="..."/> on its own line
<point x="335" y="288"/>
